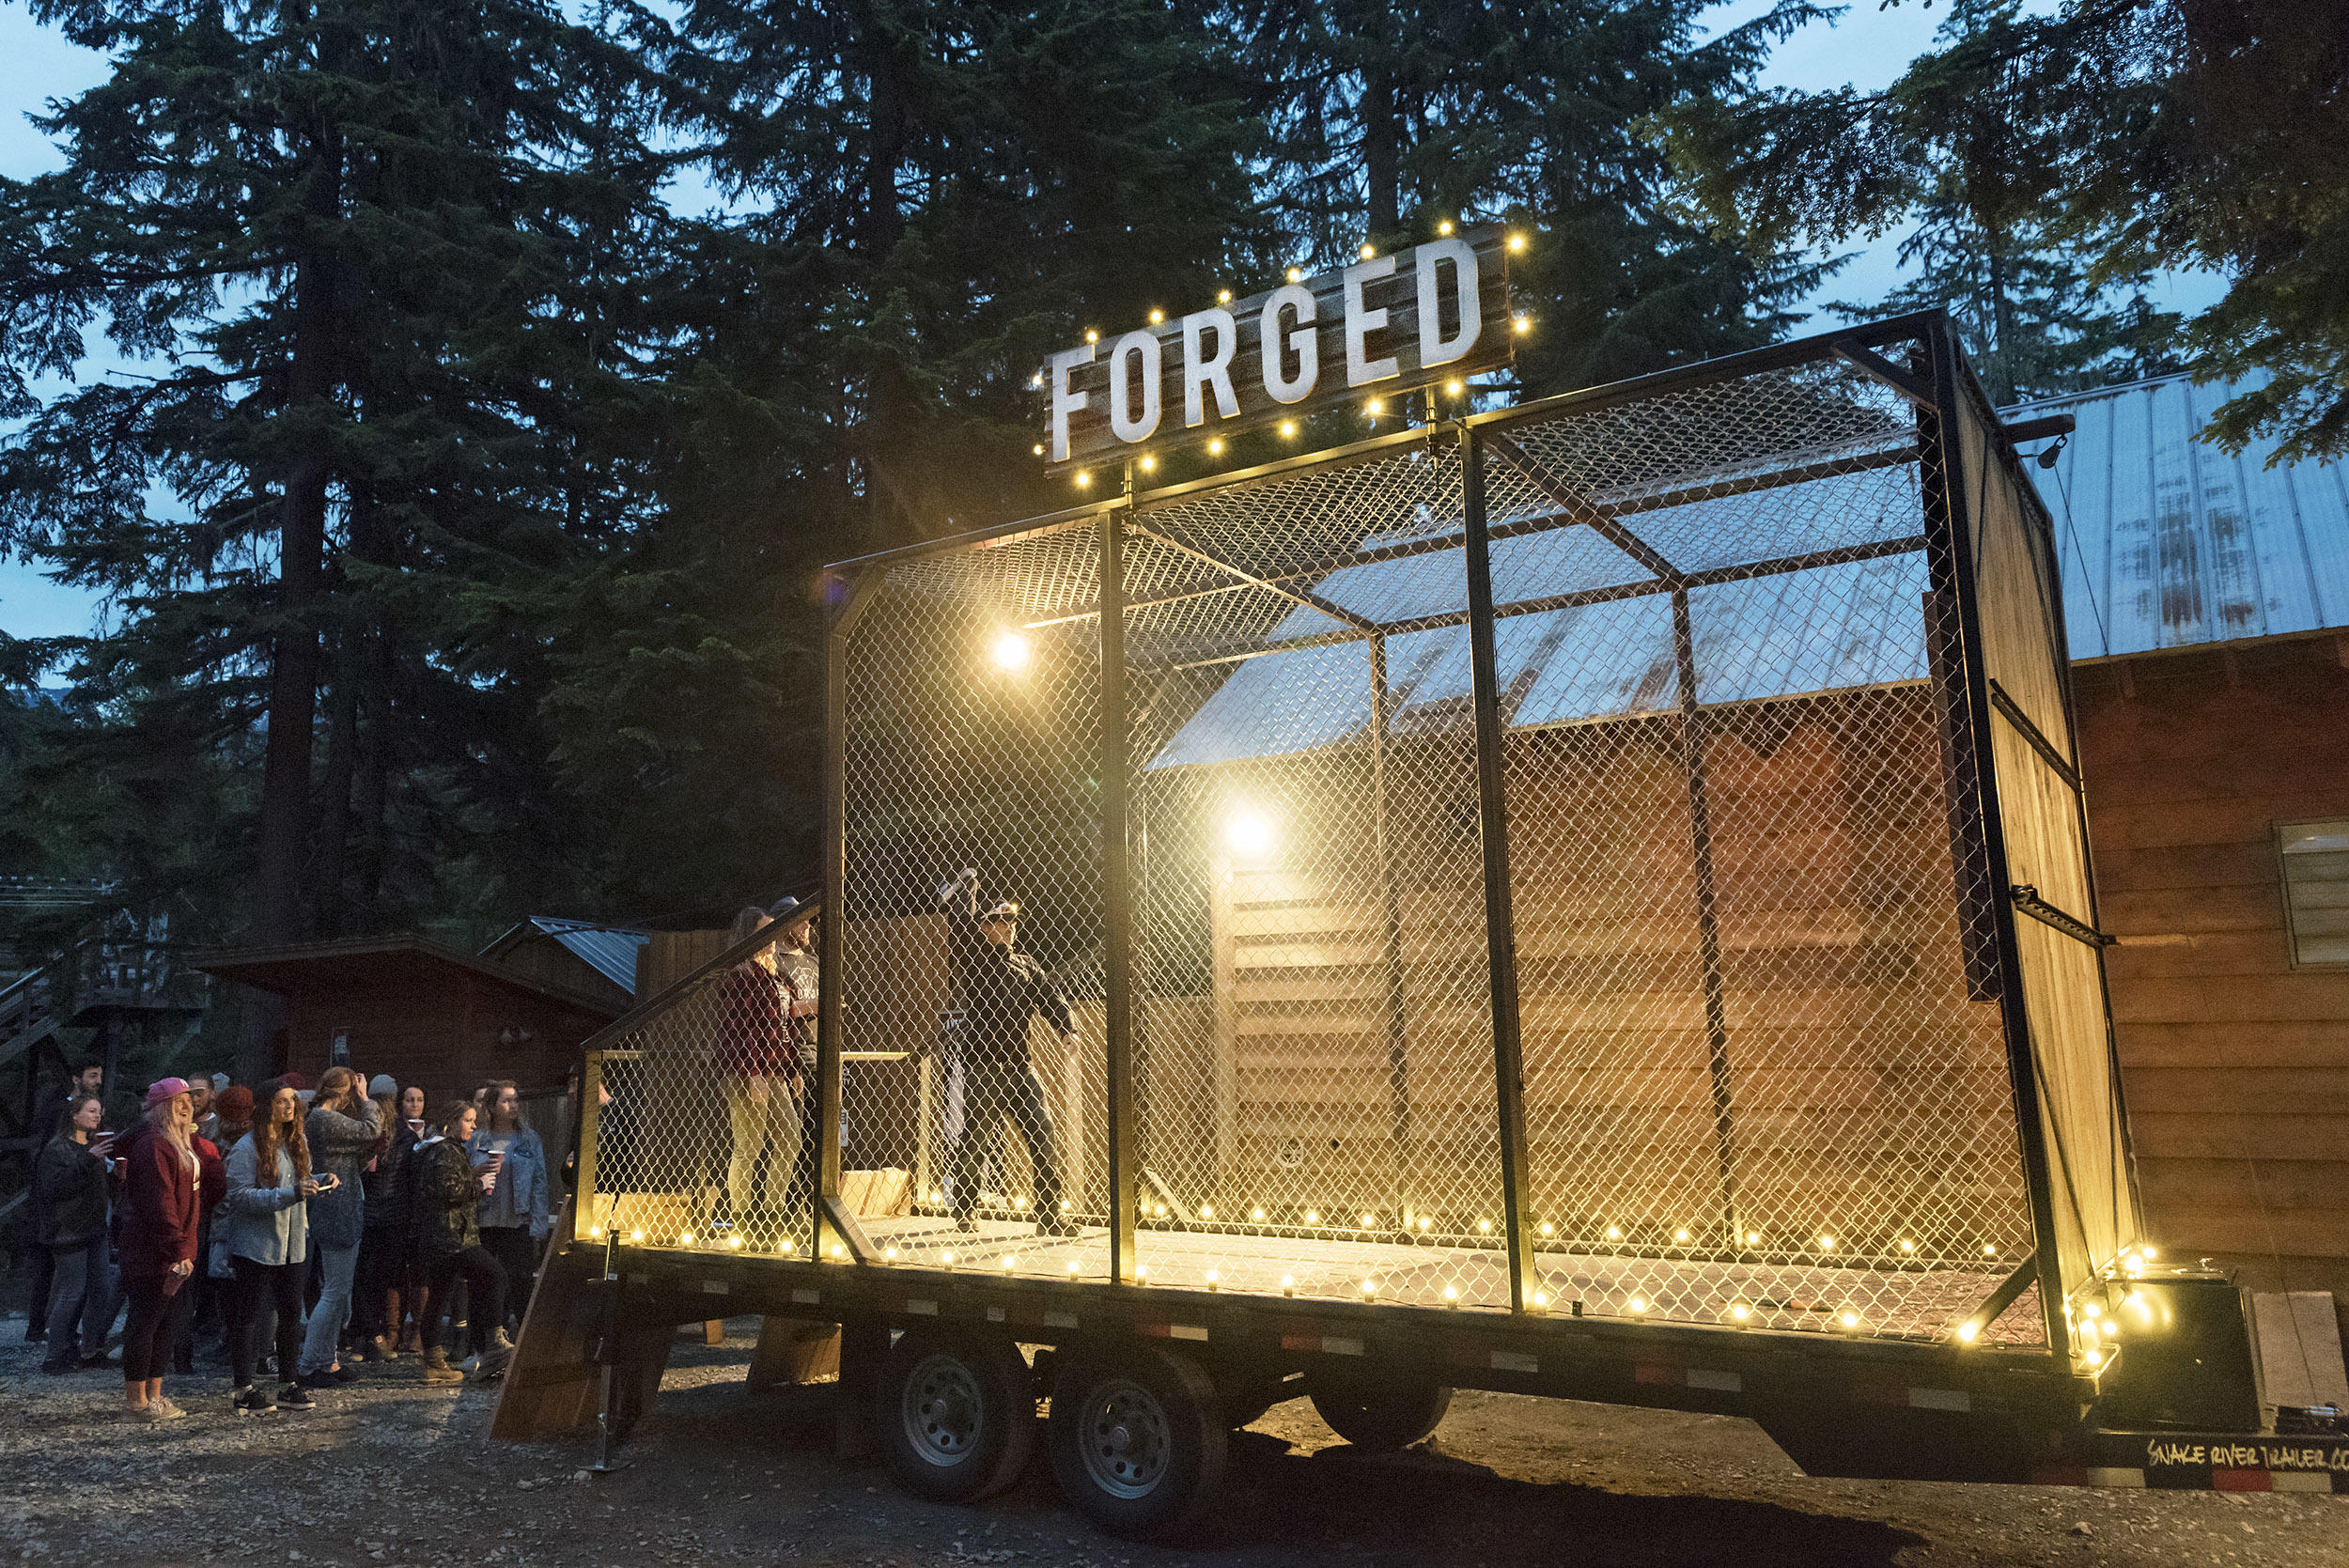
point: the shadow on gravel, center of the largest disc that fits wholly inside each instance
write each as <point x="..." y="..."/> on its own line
<point x="1284" y="1505"/>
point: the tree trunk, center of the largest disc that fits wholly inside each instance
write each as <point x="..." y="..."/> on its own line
<point x="1382" y="160"/>
<point x="342" y="763"/>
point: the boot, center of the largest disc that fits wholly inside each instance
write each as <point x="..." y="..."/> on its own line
<point x="377" y="1349"/>
<point x="414" y="1343"/>
<point x="437" y="1369"/>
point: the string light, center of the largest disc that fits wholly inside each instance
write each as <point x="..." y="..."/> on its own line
<point x="947" y="1258"/>
<point x="1288" y="1286"/>
<point x="1455" y="387"/>
<point x="1369" y="250"/>
<point x="1084" y="481"/>
<point x="890" y="1253"/>
<point x="1450" y="1297"/>
<point x="595" y="1230"/>
<point x="1638" y="1303"/>
<point x="1065" y="1205"/>
<point x="1375" y="406"/>
<point x="1073" y="1266"/>
<point x="1011" y="1261"/>
<point x="685" y="1238"/>
<point x="1753" y="1238"/>
<point x="1988" y="1250"/>
<point x="838" y="1250"/>
<point x="1539" y="1302"/>
<point x="1681" y="1234"/>
<point x="1516" y="241"/>
<point x="1224" y="296"/>
<point x="1215" y="447"/>
<point x="936" y="1196"/>
<point x="1212" y="1278"/>
<point x="1546" y="1228"/>
<point x="1907" y="1246"/>
<point x="635" y="1235"/>
<point x="1522" y="324"/>
<point x="1255" y="1214"/>
<point x="1141" y="1272"/>
<point x="1484" y="1226"/>
<point x="1968" y="1331"/>
<point x="1148" y="463"/>
<point x="1297" y="275"/>
<point x="1368" y="1221"/>
<point x="1312" y="1217"/>
<point x="1826" y="1244"/>
<point x="1425" y="1223"/>
<point x="1740" y="1310"/>
<point x="1039" y="449"/>
<point x="1092" y="336"/>
<point x="1036" y="380"/>
<point x="1370" y="1287"/>
<point x="1614" y="1233"/>
<point x="1444" y="227"/>
<point x="1157" y="316"/>
<point x="735" y="1242"/>
<point x="1018" y="1203"/>
<point x="1206" y="1211"/>
<point x="1849" y="1320"/>
<point x="1288" y="428"/>
<point x="1157" y="1211"/>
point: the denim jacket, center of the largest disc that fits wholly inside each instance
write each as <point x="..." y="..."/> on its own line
<point x="525" y="1168"/>
<point x="267" y="1224"/>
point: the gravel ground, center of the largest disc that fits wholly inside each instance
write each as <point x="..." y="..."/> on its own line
<point x="391" y="1471"/>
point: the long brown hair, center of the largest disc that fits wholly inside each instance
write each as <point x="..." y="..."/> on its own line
<point x="489" y="1106"/>
<point x="265" y="1141"/>
<point x="339" y="1089"/>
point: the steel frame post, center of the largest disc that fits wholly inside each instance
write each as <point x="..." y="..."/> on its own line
<point x="1936" y="438"/>
<point x="1390" y="940"/>
<point x="590" y="1127"/>
<point x="1500" y="947"/>
<point x="1708" y="918"/>
<point x="1117" y="899"/>
<point x="833" y="924"/>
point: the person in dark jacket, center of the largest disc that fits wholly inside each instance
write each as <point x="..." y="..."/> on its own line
<point x="162" y="1199"/>
<point x="447" y="1192"/>
<point x="383" y="1232"/>
<point x="1000" y="990"/>
<point x="759" y="1069"/>
<point x="342" y="1128"/>
<point x="69" y="1220"/>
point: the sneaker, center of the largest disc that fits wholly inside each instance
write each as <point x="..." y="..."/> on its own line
<point x="316" y="1381"/>
<point x="250" y="1401"/>
<point x="171" y="1409"/>
<point x="55" y="1367"/>
<point x="374" y="1349"/>
<point x="147" y="1415"/>
<point x="342" y="1372"/>
<point x="293" y="1396"/>
<point x="470" y="1365"/>
<point x="491" y="1364"/>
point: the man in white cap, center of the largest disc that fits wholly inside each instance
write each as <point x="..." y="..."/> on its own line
<point x="1000" y="988"/>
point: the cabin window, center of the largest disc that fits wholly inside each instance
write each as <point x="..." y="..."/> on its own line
<point x="2315" y="858"/>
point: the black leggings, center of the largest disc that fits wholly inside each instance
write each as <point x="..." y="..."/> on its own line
<point x="158" y="1305"/>
<point x="485" y="1284"/>
<point x="281" y="1285"/>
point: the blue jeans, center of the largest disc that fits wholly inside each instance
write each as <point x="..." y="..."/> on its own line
<point x="82" y="1287"/>
<point x="338" y="1265"/>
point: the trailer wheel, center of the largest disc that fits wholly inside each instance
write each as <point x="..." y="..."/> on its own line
<point x="1381" y="1418"/>
<point x="955" y="1414"/>
<point x="1137" y="1441"/>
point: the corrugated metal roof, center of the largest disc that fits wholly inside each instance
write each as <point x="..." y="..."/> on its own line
<point x="1853" y="624"/>
<point x="2168" y="541"/>
<point x="611" y="953"/>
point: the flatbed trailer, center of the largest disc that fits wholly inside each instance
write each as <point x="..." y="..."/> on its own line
<point x="1591" y="900"/>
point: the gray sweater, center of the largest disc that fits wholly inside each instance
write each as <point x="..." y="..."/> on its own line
<point x="339" y="1146"/>
<point x="268" y="1224"/>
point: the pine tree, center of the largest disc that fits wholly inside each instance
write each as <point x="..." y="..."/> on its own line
<point x="382" y="253"/>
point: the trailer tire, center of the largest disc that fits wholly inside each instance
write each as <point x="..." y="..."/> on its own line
<point x="1381" y="1418"/>
<point x="1137" y="1441"/>
<point x="954" y="1414"/>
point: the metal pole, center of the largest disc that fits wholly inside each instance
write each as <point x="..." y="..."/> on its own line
<point x="1116" y="900"/>
<point x="1391" y="919"/>
<point x="1500" y="946"/>
<point x="832" y="925"/>
<point x="1708" y="919"/>
<point x="608" y="1353"/>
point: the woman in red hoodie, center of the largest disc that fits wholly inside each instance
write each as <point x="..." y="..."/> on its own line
<point x="162" y="1200"/>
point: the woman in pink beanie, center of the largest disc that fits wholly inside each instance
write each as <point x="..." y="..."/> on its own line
<point x="162" y="1198"/>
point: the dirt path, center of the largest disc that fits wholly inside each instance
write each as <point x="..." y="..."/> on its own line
<point x="392" y="1472"/>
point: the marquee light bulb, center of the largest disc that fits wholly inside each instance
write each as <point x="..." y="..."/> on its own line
<point x="1092" y="336"/>
<point x="1516" y="241"/>
<point x="1288" y="428"/>
<point x="1681" y="1234"/>
<point x="635" y="1235"/>
<point x="1011" y="652"/>
<point x="1215" y="447"/>
<point x="1297" y="275"/>
<point x="1369" y="250"/>
<point x="1826" y="1244"/>
<point x="1148" y="463"/>
<point x="1073" y="1266"/>
<point x="1039" y="449"/>
<point x="1312" y="1217"/>
<point x="1084" y="481"/>
<point x="1206" y="1211"/>
<point x="1376" y="406"/>
<point x="1157" y="316"/>
<point x="1249" y="832"/>
<point x="1522" y="324"/>
<point x="1224" y="296"/>
<point x="1255" y="1214"/>
<point x="1444" y="228"/>
<point x="1455" y="387"/>
<point x="1614" y="1233"/>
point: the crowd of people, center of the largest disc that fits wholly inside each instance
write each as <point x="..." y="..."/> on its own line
<point x="294" y="1233"/>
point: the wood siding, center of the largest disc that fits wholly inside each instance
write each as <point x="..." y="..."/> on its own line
<point x="2235" y="1065"/>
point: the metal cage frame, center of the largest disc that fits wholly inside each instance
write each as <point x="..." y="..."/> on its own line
<point x="1987" y="541"/>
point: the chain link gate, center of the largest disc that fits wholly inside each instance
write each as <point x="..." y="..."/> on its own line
<point x="1545" y="862"/>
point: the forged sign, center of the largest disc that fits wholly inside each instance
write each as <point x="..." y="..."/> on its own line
<point x="1380" y="327"/>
